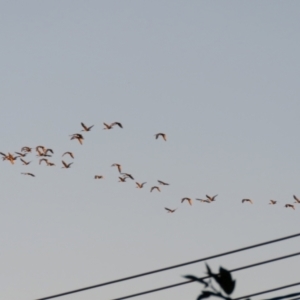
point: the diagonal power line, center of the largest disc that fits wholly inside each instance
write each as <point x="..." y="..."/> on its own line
<point x="170" y="267"/>
<point x="206" y="277"/>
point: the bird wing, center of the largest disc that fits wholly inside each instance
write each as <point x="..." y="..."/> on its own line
<point x="296" y="199"/>
<point x="84" y="127"/>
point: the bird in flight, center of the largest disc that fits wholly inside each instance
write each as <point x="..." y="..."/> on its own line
<point x="66" y="166"/>
<point x="107" y="126"/>
<point x="189" y="200"/>
<point x="163" y="135"/>
<point x="140" y="185"/>
<point x="122" y="179"/>
<point x="30" y="174"/>
<point x="25" y="163"/>
<point x="211" y="198"/>
<point x="21" y="154"/>
<point x="273" y="202"/>
<point x="26" y="149"/>
<point x="86" y="128"/>
<point x="128" y="175"/>
<point x="290" y="205"/>
<point x="78" y="137"/>
<point x="170" y="210"/>
<point x="155" y="187"/>
<point x="99" y="177"/>
<point x="118" y="166"/>
<point x="9" y="157"/>
<point x="69" y="153"/>
<point x="297" y="199"/>
<point x="163" y="183"/>
<point x="49" y="164"/>
<point x="247" y="200"/>
<point x="204" y="200"/>
<point x="117" y="123"/>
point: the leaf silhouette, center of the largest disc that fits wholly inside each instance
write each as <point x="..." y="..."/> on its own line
<point x="209" y="271"/>
<point x="225" y="281"/>
<point x="205" y="294"/>
<point x="194" y="278"/>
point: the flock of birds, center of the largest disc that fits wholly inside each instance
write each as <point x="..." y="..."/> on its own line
<point x="44" y="153"/>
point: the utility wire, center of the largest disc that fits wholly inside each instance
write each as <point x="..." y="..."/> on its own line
<point x="171" y="267"/>
<point x="206" y="277"/>
<point x="269" y="291"/>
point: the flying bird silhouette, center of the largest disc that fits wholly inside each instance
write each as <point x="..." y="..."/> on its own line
<point x="163" y="135"/>
<point x="128" y="175"/>
<point x="290" y="205"/>
<point x="170" y="210"/>
<point x="140" y="185"/>
<point x="247" y="200"/>
<point x="297" y="199"/>
<point x="86" y="128"/>
<point x="69" y="153"/>
<point x="30" y="174"/>
<point x="118" y="166"/>
<point x="25" y="163"/>
<point x="78" y="137"/>
<point x="189" y="200"/>
<point x="155" y="187"/>
<point x="163" y="183"/>
<point x="66" y="166"/>
<point x="211" y="198"/>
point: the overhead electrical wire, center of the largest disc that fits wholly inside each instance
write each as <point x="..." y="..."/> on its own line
<point x="269" y="291"/>
<point x="170" y="267"/>
<point x="206" y="277"/>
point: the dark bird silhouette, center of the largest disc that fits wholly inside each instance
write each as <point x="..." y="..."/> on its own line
<point x="30" y="174"/>
<point x="21" y="154"/>
<point x="69" y="153"/>
<point x="26" y="149"/>
<point x="155" y="187"/>
<point x="170" y="210"/>
<point x="204" y="200"/>
<point x="163" y="135"/>
<point x="247" y="200"/>
<point x="128" y="175"/>
<point x="25" y="163"/>
<point x="48" y="150"/>
<point x="107" y="126"/>
<point x="66" y="166"/>
<point x="48" y="163"/>
<point x="297" y="199"/>
<point x="189" y="200"/>
<point x="118" y="166"/>
<point x="122" y="179"/>
<point x="290" y="205"/>
<point x="99" y="177"/>
<point x="163" y="183"/>
<point x="117" y="123"/>
<point x="78" y="137"/>
<point x="273" y="202"/>
<point x="85" y="128"/>
<point x="140" y="185"/>
<point x="211" y="198"/>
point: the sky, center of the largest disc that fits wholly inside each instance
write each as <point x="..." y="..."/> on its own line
<point x="219" y="78"/>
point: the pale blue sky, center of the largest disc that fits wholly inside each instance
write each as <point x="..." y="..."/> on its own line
<point x="220" y="78"/>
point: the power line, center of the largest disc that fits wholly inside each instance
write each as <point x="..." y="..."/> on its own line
<point x="206" y="277"/>
<point x="170" y="268"/>
<point x="269" y="291"/>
